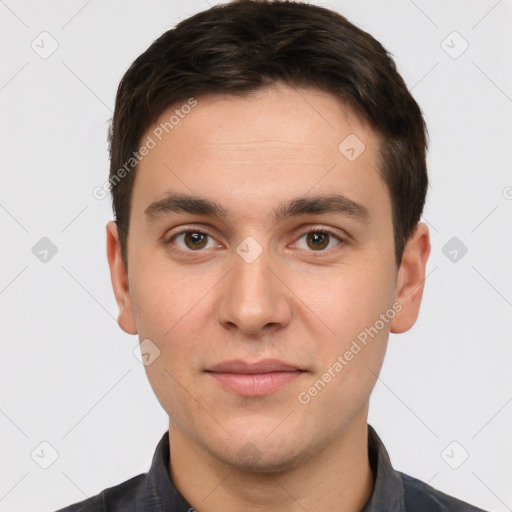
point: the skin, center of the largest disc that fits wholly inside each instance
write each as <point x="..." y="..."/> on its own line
<point x="295" y="302"/>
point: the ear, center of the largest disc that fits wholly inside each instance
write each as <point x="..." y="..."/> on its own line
<point x="411" y="279"/>
<point x="119" y="277"/>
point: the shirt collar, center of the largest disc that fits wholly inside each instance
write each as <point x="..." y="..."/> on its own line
<point x="388" y="488"/>
<point x="158" y="493"/>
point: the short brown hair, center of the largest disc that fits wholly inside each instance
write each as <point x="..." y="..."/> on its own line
<point x="243" y="46"/>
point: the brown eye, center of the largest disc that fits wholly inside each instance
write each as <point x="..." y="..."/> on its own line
<point x="193" y="241"/>
<point x="318" y="240"/>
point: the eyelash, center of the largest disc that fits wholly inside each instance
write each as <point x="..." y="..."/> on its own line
<point x="311" y="229"/>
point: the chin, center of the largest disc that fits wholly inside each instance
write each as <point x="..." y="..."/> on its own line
<point x="265" y="460"/>
<point x="255" y="451"/>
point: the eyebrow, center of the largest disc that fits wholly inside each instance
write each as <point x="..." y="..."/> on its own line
<point x="307" y="205"/>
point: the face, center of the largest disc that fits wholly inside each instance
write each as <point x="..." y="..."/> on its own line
<point x="261" y="267"/>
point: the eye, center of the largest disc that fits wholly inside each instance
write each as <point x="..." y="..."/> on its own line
<point x="193" y="240"/>
<point x="318" y="240"/>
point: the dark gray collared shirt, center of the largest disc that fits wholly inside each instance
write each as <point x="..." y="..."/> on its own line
<point x="154" y="491"/>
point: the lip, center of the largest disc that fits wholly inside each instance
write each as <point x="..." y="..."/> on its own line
<point x="245" y="367"/>
<point x="254" y="379"/>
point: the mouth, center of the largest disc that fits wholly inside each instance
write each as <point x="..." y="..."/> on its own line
<point x="254" y="379"/>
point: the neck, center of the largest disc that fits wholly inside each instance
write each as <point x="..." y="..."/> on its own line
<point x="338" y="477"/>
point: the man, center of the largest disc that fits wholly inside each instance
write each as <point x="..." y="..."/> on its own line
<point x="268" y="176"/>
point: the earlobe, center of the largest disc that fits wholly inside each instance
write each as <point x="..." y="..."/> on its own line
<point x="119" y="278"/>
<point x="411" y="279"/>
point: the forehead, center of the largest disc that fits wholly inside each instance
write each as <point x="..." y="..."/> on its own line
<point x="272" y="142"/>
<point x="278" y="118"/>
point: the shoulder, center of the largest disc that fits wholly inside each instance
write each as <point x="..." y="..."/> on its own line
<point x="419" y="496"/>
<point x="119" y="498"/>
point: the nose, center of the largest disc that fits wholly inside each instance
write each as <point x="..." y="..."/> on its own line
<point x="254" y="297"/>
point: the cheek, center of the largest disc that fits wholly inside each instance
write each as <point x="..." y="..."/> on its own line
<point x="172" y="310"/>
<point x="167" y="315"/>
<point x="164" y="298"/>
<point x="349" y="361"/>
<point x="348" y="298"/>
<point x="350" y="301"/>
<point x="344" y="387"/>
<point x="179" y="399"/>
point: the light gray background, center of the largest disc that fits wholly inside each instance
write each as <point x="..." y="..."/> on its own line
<point x="68" y="374"/>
